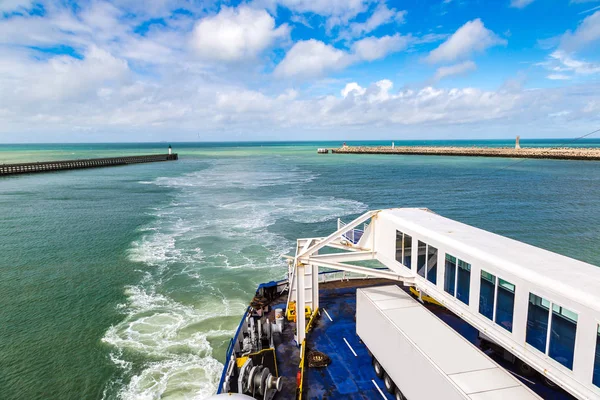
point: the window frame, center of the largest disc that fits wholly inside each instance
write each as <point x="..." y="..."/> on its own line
<point x="495" y="304"/>
<point x="437" y="255"/>
<point x="402" y="251"/>
<point x="456" y="269"/>
<point x="549" y="329"/>
<point x="595" y="354"/>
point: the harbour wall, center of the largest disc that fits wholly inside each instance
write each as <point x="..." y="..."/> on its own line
<point x="47" y="166"/>
<point x="560" y="153"/>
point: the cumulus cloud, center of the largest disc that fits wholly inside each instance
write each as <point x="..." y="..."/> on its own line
<point x="60" y="78"/>
<point x="470" y="38"/>
<point x="309" y="58"/>
<point x="236" y="34"/>
<point x="520" y="3"/>
<point x="586" y="33"/>
<point x="85" y="74"/>
<point x="372" y="48"/>
<point x="456" y="69"/>
<point x="313" y="58"/>
<point x="378" y="105"/>
<point x="351" y="88"/>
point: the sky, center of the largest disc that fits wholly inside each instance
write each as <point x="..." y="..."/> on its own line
<point x="182" y="70"/>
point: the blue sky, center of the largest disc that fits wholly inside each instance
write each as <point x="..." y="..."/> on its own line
<point x="177" y="70"/>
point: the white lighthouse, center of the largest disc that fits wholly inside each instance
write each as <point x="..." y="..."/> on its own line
<point x="170" y="150"/>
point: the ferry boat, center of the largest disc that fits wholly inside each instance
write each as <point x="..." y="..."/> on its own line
<point x="407" y="304"/>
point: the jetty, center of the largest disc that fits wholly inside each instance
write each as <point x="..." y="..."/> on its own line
<point x="47" y="166"/>
<point x="558" y="153"/>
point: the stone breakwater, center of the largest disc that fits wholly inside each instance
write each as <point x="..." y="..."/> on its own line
<point x="560" y="153"/>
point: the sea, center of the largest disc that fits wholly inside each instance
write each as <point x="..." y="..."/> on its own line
<point x="128" y="282"/>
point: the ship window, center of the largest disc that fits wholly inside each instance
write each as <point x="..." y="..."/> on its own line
<point x="563" y="329"/>
<point x="432" y="264"/>
<point x="537" y="322"/>
<point x="487" y="294"/>
<point x="407" y="250"/>
<point x="463" y="281"/>
<point x="403" y="248"/>
<point x="505" y="304"/>
<point x="596" y="376"/>
<point x="450" y="275"/>
<point x="399" y="237"/>
<point x="421" y="258"/>
<point x="562" y="335"/>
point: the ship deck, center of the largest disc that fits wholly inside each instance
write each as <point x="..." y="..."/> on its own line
<point x="350" y="374"/>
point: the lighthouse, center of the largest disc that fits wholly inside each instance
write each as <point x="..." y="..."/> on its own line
<point x="170" y="150"/>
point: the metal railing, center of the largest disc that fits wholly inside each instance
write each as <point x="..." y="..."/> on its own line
<point x="353" y="235"/>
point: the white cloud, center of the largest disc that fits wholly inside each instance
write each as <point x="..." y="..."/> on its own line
<point x="381" y="15"/>
<point x="372" y="48"/>
<point x="154" y="87"/>
<point x="301" y="19"/>
<point x="456" y="69"/>
<point x="61" y="78"/>
<point x="558" y="77"/>
<point x="351" y="88"/>
<point x="236" y="34"/>
<point x="470" y="38"/>
<point x="311" y="58"/>
<point x="586" y="33"/>
<point x="520" y="3"/>
<point x="13" y="5"/>
<point x="563" y="62"/>
<point x="338" y="12"/>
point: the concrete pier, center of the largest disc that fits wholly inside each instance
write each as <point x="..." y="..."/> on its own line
<point x="562" y="153"/>
<point x="47" y="166"/>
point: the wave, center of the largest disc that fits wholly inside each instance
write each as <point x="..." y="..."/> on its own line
<point x="198" y="260"/>
<point x="190" y="377"/>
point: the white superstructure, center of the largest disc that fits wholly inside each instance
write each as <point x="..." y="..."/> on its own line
<point x="542" y="307"/>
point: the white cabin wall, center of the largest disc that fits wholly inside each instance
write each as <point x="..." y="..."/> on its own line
<point x="585" y="344"/>
<point x="583" y="360"/>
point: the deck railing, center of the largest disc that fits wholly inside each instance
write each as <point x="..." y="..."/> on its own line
<point x="353" y="235"/>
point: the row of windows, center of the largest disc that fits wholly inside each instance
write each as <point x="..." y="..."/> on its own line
<point x="550" y="328"/>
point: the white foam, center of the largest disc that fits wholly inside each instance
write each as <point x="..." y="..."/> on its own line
<point x="188" y="377"/>
<point x="216" y="228"/>
<point x="241" y="174"/>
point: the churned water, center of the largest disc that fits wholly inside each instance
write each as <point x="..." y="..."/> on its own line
<point x="127" y="282"/>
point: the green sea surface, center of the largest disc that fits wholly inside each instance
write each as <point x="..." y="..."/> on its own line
<point x="127" y="282"/>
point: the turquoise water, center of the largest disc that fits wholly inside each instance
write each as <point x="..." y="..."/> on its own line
<point x="127" y="282"/>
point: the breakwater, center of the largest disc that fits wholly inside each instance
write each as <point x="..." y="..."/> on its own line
<point x="47" y="166"/>
<point x="560" y="153"/>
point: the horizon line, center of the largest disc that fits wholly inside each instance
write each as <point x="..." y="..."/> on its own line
<point x="296" y="141"/>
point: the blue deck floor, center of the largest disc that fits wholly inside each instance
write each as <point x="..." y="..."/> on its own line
<point x="350" y="374"/>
